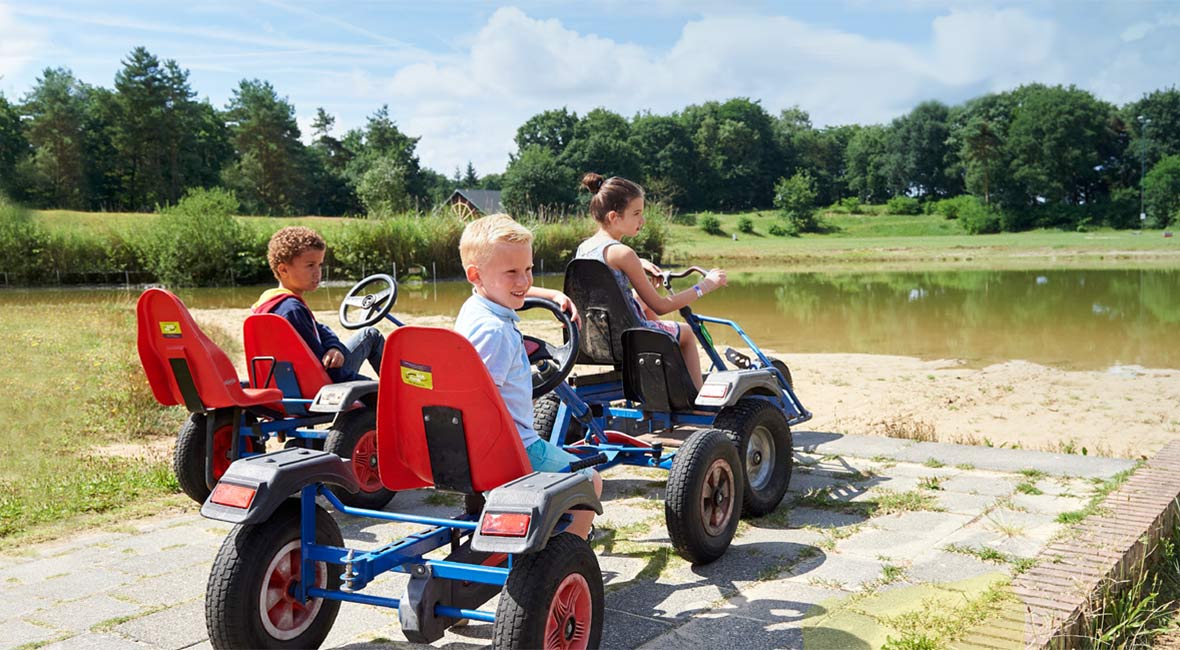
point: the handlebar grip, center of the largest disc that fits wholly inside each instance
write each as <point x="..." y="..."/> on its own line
<point x="589" y="461"/>
<point x="687" y="272"/>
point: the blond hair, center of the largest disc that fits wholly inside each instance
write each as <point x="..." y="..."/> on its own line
<point x="481" y="235"/>
<point x="289" y="243"/>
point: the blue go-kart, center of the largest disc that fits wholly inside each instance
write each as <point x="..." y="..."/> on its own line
<point x="288" y="395"/>
<point x="284" y="569"/>
<point x="736" y="461"/>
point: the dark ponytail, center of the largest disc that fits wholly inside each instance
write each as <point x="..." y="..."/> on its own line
<point x="610" y="194"/>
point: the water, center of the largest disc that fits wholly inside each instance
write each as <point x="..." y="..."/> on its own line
<point x="1076" y="319"/>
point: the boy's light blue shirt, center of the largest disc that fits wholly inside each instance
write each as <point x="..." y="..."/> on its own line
<point x="492" y="330"/>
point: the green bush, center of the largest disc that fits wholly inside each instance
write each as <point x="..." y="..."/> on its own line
<point x="685" y="219"/>
<point x="795" y="198"/>
<point x="904" y="205"/>
<point x="197" y="242"/>
<point x="978" y="218"/>
<point x="781" y="230"/>
<point x="1161" y="190"/>
<point x="383" y="189"/>
<point x="711" y="225"/>
<point x="852" y="205"/>
<point x="952" y="207"/>
<point x="22" y="244"/>
<point x="746" y="225"/>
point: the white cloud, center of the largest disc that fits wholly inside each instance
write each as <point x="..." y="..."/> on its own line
<point x="1140" y="30"/>
<point x="467" y="107"/>
<point x="18" y="44"/>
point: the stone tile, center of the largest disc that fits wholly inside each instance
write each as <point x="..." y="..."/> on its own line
<point x="78" y="584"/>
<point x="627" y="631"/>
<point x="92" y="641"/>
<point x="943" y="566"/>
<point x="175" y="627"/>
<point x="849" y="572"/>
<point x="961" y="503"/>
<point x="851" y="446"/>
<point x="81" y="615"/>
<point x="177" y="586"/>
<point x="1048" y="503"/>
<point x="986" y="483"/>
<point x="18" y="633"/>
<point x="801" y="516"/>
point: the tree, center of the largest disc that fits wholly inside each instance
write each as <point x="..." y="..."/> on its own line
<point x="600" y="144"/>
<point x="865" y="163"/>
<point x="268" y="176"/>
<point x="1161" y="191"/>
<point x="14" y="148"/>
<point x="736" y="147"/>
<point x="382" y="139"/>
<point x="922" y="153"/>
<point x="470" y="179"/>
<point x="979" y="131"/>
<point x="383" y="188"/>
<point x="535" y="182"/>
<point x="57" y="169"/>
<point x="795" y="198"/>
<point x="552" y="130"/>
<point x="666" y="149"/>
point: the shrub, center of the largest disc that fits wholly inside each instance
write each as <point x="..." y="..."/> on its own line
<point x="197" y="241"/>
<point x="22" y="243"/>
<point x="383" y="189"/>
<point x="852" y="204"/>
<point x="904" y="205"/>
<point x="746" y="225"/>
<point x="685" y="219"/>
<point x="951" y="208"/>
<point x="1161" y="190"/>
<point x="711" y="225"/>
<point x="978" y="218"/>
<point x="781" y="230"/>
<point x="795" y="197"/>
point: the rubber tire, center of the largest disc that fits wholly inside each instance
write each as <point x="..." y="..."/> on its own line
<point x="545" y="418"/>
<point x="686" y="489"/>
<point x="342" y="441"/>
<point x="740" y="421"/>
<point x="782" y="367"/>
<point x="523" y="611"/>
<point x="232" y="608"/>
<point x="188" y="460"/>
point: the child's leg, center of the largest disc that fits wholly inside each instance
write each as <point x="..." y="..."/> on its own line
<point x="692" y="355"/>
<point x="367" y="344"/>
<point x="547" y="457"/>
<point x="584" y="519"/>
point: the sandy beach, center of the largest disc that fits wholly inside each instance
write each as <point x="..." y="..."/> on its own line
<point x="1124" y="411"/>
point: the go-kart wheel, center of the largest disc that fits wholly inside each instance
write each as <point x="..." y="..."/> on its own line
<point x="188" y="460"/>
<point x="553" y="599"/>
<point x="703" y="504"/>
<point x="782" y="367"/>
<point x="763" y="440"/>
<point x="354" y="438"/>
<point x="545" y="419"/>
<point x="372" y="298"/>
<point x="551" y="363"/>
<point x="249" y="600"/>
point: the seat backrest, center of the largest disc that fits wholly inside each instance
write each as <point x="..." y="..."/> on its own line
<point x="440" y="418"/>
<point x="606" y="311"/>
<point x="654" y="374"/>
<point x="182" y="365"/>
<point x="271" y="335"/>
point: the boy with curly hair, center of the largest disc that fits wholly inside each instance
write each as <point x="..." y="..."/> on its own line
<point x="296" y="257"/>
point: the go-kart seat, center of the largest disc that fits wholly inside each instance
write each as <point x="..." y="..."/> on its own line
<point x="183" y="366"/>
<point x="654" y="373"/>
<point x="278" y="357"/>
<point x="440" y="419"/>
<point x="606" y="312"/>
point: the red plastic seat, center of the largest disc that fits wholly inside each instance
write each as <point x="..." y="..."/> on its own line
<point x="271" y="335"/>
<point x="182" y="365"/>
<point x="427" y="367"/>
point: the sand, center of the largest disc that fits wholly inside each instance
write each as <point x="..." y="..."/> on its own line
<point x="1125" y="411"/>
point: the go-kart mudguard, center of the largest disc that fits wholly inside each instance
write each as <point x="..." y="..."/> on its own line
<point x="337" y="398"/>
<point x="727" y="387"/>
<point x="275" y="477"/>
<point x="544" y="496"/>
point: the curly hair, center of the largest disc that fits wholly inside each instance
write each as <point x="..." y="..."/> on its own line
<point x="289" y="243"/>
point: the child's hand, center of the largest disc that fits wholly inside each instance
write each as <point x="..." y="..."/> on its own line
<point x="650" y="268"/>
<point x="714" y="279"/>
<point x="568" y="306"/>
<point x="333" y="358"/>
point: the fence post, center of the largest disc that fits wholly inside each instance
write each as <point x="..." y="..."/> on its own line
<point x="395" y="269"/>
<point x="127" y="278"/>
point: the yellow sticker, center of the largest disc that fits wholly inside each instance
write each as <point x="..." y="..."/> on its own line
<point x="170" y="329"/>
<point x="416" y="374"/>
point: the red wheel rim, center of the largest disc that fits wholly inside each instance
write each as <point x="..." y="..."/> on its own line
<point x="364" y="462"/>
<point x="717" y="498"/>
<point x="568" y="623"/>
<point x="282" y="615"/>
<point x="222" y="448"/>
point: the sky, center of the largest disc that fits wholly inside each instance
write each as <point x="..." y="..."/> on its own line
<point x="463" y="76"/>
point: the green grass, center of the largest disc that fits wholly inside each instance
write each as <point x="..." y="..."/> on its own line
<point x="80" y="387"/>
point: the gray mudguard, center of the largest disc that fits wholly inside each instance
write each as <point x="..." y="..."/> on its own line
<point x="738" y="384"/>
<point x="545" y="496"/>
<point x="335" y="398"/>
<point x="275" y="477"/>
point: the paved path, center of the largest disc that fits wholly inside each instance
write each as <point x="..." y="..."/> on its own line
<point x="879" y="534"/>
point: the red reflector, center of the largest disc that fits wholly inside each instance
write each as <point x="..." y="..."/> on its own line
<point x="234" y="496"/>
<point x="505" y="524"/>
<point x="714" y="391"/>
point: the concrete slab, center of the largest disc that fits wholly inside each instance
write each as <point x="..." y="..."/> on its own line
<point x="91" y="641"/>
<point x="81" y="615"/>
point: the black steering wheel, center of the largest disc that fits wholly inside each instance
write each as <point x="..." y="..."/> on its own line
<point x="372" y="297"/>
<point x="551" y="363"/>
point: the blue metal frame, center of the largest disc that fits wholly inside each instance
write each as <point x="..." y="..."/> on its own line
<point x="581" y="403"/>
<point x="361" y="567"/>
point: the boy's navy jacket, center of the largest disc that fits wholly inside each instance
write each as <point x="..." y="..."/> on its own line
<point x="319" y="337"/>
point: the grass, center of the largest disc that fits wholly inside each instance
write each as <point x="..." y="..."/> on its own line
<point x="86" y="388"/>
<point x="1102" y="489"/>
<point x="884" y="502"/>
<point x="938" y="625"/>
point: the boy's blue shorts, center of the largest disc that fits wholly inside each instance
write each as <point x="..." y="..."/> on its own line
<point x="546" y="457"/>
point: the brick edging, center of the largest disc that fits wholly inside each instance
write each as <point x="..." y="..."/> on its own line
<point x="1108" y="545"/>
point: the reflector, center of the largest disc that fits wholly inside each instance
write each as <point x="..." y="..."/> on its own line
<point x="505" y="524"/>
<point x="234" y="496"/>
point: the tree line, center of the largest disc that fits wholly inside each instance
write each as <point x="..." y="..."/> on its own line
<point x="1034" y="156"/>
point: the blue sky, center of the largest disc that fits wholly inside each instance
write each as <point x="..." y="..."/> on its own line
<point x="464" y="75"/>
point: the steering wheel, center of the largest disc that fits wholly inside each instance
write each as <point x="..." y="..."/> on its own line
<point x="373" y="297"/>
<point x="551" y="363"/>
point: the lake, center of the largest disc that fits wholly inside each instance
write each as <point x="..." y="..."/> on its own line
<point x="1075" y="319"/>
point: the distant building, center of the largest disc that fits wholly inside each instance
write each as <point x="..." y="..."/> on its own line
<point x="471" y="204"/>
